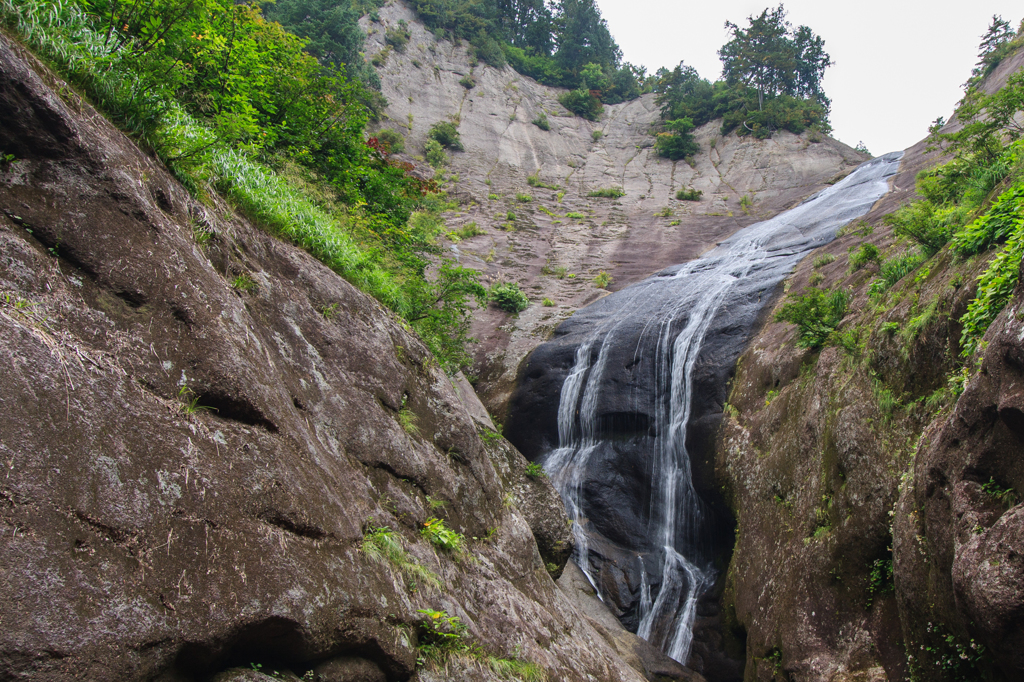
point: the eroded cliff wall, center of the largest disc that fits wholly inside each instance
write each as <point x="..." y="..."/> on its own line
<point x="867" y="547"/>
<point x="562" y="231"/>
<point x="200" y="425"/>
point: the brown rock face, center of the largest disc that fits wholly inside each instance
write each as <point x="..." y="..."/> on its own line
<point x="189" y="468"/>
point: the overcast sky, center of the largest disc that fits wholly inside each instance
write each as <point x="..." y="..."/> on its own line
<point x="897" y="64"/>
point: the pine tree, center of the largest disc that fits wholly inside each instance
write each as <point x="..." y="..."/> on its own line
<point x="991" y="50"/>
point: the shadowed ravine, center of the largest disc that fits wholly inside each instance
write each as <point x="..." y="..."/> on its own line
<point x="621" y="404"/>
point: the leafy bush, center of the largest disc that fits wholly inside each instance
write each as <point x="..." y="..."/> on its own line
<point x="523" y="198"/>
<point x="542" y="121"/>
<point x="440" y="535"/>
<point x="392" y="140"/>
<point x="866" y="253"/>
<point x="398" y="36"/>
<point x="596" y="135"/>
<point x="677" y="141"/>
<point x="894" y="269"/>
<point x="446" y="134"/>
<point x="582" y="103"/>
<point x="607" y="193"/>
<point x="535" y="181"/>
<point x="435" y="154"/>
<point x="689" y="194"/>
<point x="508" y="297"/>
<point x="817" y="314"/>
<point x="535" y="470"/>
<point x="921" y="223"/>
<point x="823" y="260"/>
<point x="547" y="303"/>
<point x="468" y="82"/>
<point x="602" y="280"/>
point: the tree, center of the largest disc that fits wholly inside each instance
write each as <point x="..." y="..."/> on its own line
<point x="772" y="58"/>
<point x="583" y="37"/>
<point x="992" y="48"/>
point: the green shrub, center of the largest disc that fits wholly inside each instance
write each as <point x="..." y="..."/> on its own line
<point x="523" y="198"/>
<point x="995" y="226"/>
<point x="508" y="297"/>
<point x="689" y="194"/>
<point x="596" y="135"/>
<point x="582" y="103"/>
<point x="575" y="215"/>
<point x="547" y="303"/>
<point x="607" y="193"/>
<point x="440" y="535"/>
<point x="398" y="36"/>
<point x="665" y="212"/>
<point x="535" y="181"/>
<point x="866" y="253"/>
<point x="893" y="270"/>
<point x="823" y="260"/>
<point x="535" y="470"/>
<point x="435" y="154"/>
<point x="394" y="141"/>
<point x="815" y="279"/>
<point x="542" y="121"/>
<point x="468" y="82"/>
<point x="469" y="230"/>
<point x="995" y="286"/>
<point x="817" y="314"/>
<point x="676" y="142"/>
<point x="447" y="135"/>
<point x="921" y="223"/>
<point x="602" y="280"/>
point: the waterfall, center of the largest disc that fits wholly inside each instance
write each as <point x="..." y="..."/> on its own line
<point x="636" y="354"/>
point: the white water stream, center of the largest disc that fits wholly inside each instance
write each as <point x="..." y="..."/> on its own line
<point x="677" y="308"/>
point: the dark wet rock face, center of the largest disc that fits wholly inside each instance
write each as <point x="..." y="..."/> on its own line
<point x="623" y="404"/>
<point x="142" y="538"/>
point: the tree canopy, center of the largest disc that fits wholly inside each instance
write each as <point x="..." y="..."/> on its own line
<point x="773" y="58"/>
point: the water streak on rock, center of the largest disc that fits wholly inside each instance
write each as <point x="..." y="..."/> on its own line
<point x="649" y="362"/>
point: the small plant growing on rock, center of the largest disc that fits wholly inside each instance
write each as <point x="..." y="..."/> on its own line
<point x="434" y="153"/>
<point x="244" y="283"/>
<point x="509" y="297"/>
<point x="823" y="260"/>
<point x="607" y="193"/>
<point x="689" y="194"/>
<point x="328" y="312"/>
<point x="468" y="81"/>
<point x="541" y="121"/>
<point x="190" y="401"/>
<point x="383" y="544"/>
<point x="398" y="36"/>
<point x="547" y="303"/>
<point x="664" y="213"/>
<point x="602" y="280"/>
<point x="596" y="135"/>
<point x="1006" y="496"/>
<point x="407" y="418"/>
<point x="440" y="535"/>
<point x="866" y="253"/>
<point x="523" y="198"/>
<point x="535" y="470"/>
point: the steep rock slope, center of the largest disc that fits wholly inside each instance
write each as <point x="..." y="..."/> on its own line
<point x="625" y="237"/>
<point x="867" y="547"/>
<point x="202" y="422"/>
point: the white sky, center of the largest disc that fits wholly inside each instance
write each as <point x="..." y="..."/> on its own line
<point x="897" y="64"/>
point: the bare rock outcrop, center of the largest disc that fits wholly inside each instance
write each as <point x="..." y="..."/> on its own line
<point x="561" y="238"/>
<point x="190" y="466"/>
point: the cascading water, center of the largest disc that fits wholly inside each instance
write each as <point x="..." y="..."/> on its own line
<point x="627" y="404"/>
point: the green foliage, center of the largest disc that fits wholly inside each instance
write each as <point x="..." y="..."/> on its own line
<point x="880" y="579"/>
<point x="995" y="46"/>
<point x="817" y="314"/>
<point x="1004" y="495"/>
<point x="823" y="260"/>
<point x="440" y="535"/>
<point x="442" y="637"/>
<point x="469" y="230"/>
<point x="689" y="194"/>
<point x="865" y="253"/>
<point x="384" y="545"/>
<point x="919" y="223"/>
<point x="535" y="470"/>
<point x="575" y="215"/>
<point x="602" y="280"/>
<point x="664" y="212"/>
<point x="596" y="135"/>
<point x="951" y="658"/>
<point x="508" y="297"/>
<point x="547" y="303"/>
<point x="523" y="198"/>
<point x="468" y="81"/>
<point x="541" y="121"/>
<point x="407" y="418"/>
<point x="607" y="193"/>
<point x="893" y="270"/>
<point x="676" y="142"/>
<point x="244" y="282"/>
<point x="582" y="103"/>
<point x="995" y="286"/>
<point x="393" y="141"/>
<point x="190" y="401"/>
<point x="398" y="36"/>
<point x="535" y="181"/>
<point x="446" y="134"/>
<point x="994" y="227"/>
<point x="328" y="312"/>
<point x="435" y="154"/>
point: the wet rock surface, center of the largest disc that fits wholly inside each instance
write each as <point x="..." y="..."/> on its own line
<point x="189" y="468"/>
